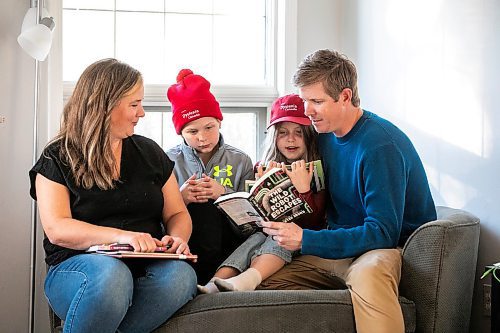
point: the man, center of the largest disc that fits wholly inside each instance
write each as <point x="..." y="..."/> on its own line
<point x="378" y="195"/>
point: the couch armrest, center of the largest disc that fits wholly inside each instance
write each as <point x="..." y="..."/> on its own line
<point x="439" y="267"/>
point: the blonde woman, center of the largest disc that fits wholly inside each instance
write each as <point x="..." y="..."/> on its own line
<point x="96" y="182"/>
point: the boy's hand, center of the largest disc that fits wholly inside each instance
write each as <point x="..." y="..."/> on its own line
<point x="192" y="192"/>
<point x="211" y="189"/>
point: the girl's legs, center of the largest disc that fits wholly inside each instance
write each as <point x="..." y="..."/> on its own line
<point x="91" y="293"/>
<point x="262" y="267"/>
<point x="267" y="260"/>
<point x="222" y="273"/>
<point x="164" y="287"/>
<point x="236" y="263"/>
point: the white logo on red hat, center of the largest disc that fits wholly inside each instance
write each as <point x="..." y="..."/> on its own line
<point x="190" y="114"/>
<point x="288" y="107"/>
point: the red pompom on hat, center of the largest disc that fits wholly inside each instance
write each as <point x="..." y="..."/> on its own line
<point x="289" y="108"/>
<point x="191" y="99"/>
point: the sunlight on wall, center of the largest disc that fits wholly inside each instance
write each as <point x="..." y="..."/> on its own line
<point x="440" y="93"/>
<point x="448" y="190"/>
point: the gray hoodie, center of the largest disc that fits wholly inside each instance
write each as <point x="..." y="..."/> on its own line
<point x="229" y="166"/>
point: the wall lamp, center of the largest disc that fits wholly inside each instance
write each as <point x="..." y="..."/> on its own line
<point x="35" y="39"/>
<point x="36" y="34"/>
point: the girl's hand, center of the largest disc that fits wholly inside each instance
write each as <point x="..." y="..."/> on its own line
<point x="177" y="244"/>
<point x="300" y="176"/>
<point x="260" y="168"/>
<point x="140" y="241"/>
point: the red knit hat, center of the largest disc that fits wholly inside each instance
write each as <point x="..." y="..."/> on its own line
<point x="191" y="99"/>
<point x="289" y="108"/>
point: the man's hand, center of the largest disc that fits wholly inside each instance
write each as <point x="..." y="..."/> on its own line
<point x="288" y="235"/>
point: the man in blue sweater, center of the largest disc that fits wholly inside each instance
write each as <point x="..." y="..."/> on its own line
<point x="378" y="195"/>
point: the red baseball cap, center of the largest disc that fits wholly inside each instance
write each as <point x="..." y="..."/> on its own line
<point x="289" y="108"/>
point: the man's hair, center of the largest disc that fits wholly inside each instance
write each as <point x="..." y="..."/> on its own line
<point x="272" y="153"/>
<point x="84" y="136"/>
<point x="332" y="69"/>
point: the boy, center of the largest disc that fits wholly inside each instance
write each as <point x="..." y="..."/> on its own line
<point x="205" y="168"/>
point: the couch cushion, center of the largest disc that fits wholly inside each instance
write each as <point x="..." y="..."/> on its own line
<point x="273" y="311"/>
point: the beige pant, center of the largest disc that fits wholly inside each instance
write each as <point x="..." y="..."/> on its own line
<point x="372" y="278"/>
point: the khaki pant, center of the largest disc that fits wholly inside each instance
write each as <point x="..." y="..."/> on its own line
<point x="372" y="278"/>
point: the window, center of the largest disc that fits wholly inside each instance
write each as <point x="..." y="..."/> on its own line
<point x="160" y="37"/>
<point x="158" y="126"/>
<point x="230" y="42"/>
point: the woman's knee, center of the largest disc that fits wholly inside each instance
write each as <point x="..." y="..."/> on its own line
<point x="108" y="279"/>
<point x="179" y="277"/>
<point x="89" y="281"/>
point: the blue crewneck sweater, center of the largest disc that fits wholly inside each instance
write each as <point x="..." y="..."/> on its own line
<point x="379" y="193"/>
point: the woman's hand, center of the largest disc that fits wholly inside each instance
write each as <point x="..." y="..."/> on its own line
<point x="300" y="176"/>
<point x="140" y="241"/>
<point x="177" y="244"/>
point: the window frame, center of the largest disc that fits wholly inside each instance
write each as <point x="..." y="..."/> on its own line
<point x="282" y="52"/>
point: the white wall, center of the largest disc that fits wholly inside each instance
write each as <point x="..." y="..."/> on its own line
<point x="16" y="94"/>
<point x="16" y="154"/>
<point x="431" y="67"/>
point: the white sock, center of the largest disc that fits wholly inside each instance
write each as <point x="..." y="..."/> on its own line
<point x="246" y="281"/>
<point x="209" y="288"/>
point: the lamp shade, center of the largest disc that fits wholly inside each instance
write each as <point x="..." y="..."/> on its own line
<point x="36" y="39"/>
<point x="29" y="19"/>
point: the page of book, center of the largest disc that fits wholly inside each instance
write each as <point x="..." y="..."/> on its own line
<point x="240" y="211"/>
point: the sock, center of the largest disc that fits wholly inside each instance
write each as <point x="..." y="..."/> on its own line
<point x="209" y="288"/>
<point x="246" y="281"/>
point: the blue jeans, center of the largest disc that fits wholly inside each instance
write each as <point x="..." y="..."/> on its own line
<point x="94" y="293"/>
<point x="256" y="245"/>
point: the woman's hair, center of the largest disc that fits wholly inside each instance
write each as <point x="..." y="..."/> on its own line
<point x="331" y="68"/>
<point x="272" y="153"/>
<point x="84" y="136"/>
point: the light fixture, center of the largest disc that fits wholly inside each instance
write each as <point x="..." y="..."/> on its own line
<point x="36" y="34"/>
<point x="35" y="39"/>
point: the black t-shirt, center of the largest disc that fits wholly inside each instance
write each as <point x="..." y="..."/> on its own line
<point x="135" y="204"/>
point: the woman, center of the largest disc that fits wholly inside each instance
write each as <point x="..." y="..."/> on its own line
<point x="95" y="183"/>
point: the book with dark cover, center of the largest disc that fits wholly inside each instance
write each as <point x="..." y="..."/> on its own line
<point x="272" y="198"/>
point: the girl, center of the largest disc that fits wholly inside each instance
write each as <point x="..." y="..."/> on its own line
<point x="291" y="140"/>
<point x="205" y="168"/>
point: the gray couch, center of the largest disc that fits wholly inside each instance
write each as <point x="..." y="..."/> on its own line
<point x="439" y="265"/>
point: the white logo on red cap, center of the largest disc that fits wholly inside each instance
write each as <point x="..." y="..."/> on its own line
<point x="288" y="107"/>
